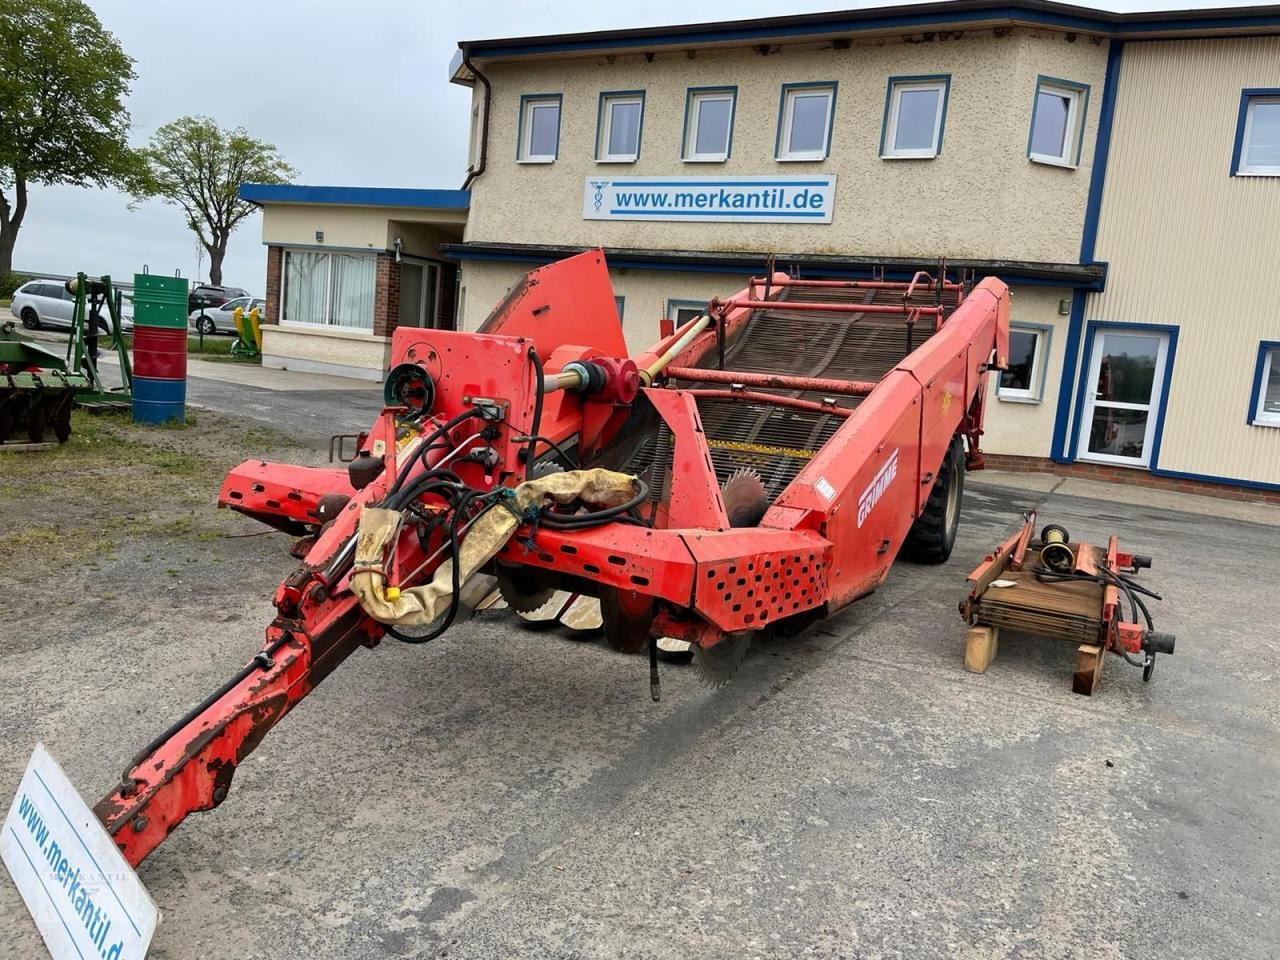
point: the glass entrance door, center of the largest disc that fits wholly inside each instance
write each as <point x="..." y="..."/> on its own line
<point x="418" y="293"/>
<point x="1126" y="377"/>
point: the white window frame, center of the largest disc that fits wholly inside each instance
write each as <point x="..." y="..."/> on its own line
<point x="790" y="92"/>
<point x="1260" y="418"/>
<point x="1243" y="169"/>
<point x="693" y="105"/>
<point x="605" y="125"/>
<point x="326" y="323"/>
<point x="897" y="86"/>
<point x="675" y="306"/>
<point x="1035" y="392"/>
<point x="529" y="103"/>
<point x="1078" y="95"/>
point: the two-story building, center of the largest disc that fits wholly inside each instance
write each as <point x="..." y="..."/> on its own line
<point x="1120" y="171"/>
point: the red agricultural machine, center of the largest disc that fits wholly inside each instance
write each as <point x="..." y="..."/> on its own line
<point x="755" y="470"/>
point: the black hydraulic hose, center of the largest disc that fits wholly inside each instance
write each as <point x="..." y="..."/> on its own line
<point x="455" y="598"/>
<point x="422" y="448"/>
<point x="540" y="392"/>
<point x="421" y="484"/>
<point x="1103" y="577"/>
<point x="561" y="521"/>
<point x="261" y="662"/>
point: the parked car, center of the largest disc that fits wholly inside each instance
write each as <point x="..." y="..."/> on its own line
<point x="207" y="295"/>
<point x="221" y="319"/>
<point x="46" y="304"/>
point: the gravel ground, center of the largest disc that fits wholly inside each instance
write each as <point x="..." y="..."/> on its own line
<point x="510" y="793"/>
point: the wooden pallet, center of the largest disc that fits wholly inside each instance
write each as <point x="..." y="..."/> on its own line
<point x="1065" y="611"/>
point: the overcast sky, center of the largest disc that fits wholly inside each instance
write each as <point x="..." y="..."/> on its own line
<point x="351" y="93"/>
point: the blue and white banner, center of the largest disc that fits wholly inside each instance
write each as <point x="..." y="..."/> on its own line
<point x="87" y="902"/>
<point x="734" y="199"/>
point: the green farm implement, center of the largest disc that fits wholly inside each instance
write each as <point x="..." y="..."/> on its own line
<point x="38" y="387"/>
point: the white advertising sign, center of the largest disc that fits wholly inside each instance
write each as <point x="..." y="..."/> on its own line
<point x="87" y="902"/>
<point x="699" y="199"/>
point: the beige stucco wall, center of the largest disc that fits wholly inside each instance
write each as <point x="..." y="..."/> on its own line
<point x="322" y="350"/>
<point x="982" y="198"/>
<point x="356" y="227"/>
<point x="1025" y="427"/>
<point x="1191" y="246"/>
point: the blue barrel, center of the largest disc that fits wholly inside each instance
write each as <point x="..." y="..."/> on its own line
<point x="159" y="348"/>
<point x="158" y="401"/>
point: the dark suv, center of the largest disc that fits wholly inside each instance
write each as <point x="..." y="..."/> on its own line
<point x="207" y="295"/>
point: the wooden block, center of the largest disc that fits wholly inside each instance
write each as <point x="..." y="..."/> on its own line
<point x="1089" y="660"/>
<point x="26" y="447"/>
<point x="980" y="648"/>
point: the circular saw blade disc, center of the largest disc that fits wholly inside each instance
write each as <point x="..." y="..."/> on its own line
<point x="745" y="500"/>
<point x="717" y="664"/>
<point x="520" y="597"/>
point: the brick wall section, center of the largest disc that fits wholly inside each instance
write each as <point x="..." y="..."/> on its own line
<point x="275" y="261"/>
<point x="386" y="296"/>
<point x="1100" y="471"/>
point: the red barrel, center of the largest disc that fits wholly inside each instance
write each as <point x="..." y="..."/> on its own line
<point x="160" y="353"/>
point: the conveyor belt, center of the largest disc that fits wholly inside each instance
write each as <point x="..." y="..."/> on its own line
<point x="777" y="442"/>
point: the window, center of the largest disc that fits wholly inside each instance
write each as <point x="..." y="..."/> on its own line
<point x="708" y="124"/>
<point x="618" y="126"/>
<point x="1264" y="404"/>
<point x="1057" y="122"/>
<point x="804" y="121"/>
<point x="915" y="110"/>
<point x="539" y="139"/>
<point x="329" y="289"/>
<point x="1257" y="150"/>
<point x="230" y="305"/>
<point x="682" y="311"/>
<point x="1023" y="381"/>
<point x="620" y="303"/>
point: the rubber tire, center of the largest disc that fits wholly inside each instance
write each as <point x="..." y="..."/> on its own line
<point x="30" y="319"/>
<point x="933" y="536"/>
<point x="206" y="325"/>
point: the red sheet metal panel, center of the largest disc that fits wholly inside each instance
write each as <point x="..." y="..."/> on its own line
<point x="566" y="302"/>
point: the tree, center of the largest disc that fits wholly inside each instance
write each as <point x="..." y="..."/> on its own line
<point x="63" y="80"/>
<point x="193" y="164"/>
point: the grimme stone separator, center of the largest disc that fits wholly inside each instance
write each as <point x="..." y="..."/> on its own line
<point x="704" y="490"/>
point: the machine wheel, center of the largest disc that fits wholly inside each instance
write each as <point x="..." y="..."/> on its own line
<point x="206" y="325"/>
<point x="30" y="319"/>
<point x="933" y="535"/>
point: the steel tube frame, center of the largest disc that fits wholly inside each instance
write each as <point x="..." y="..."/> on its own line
<point x="846" y="388"/>
<point x="802" y="307"/>
<point x="752" y="396"/>
<point x="852" y="284"/>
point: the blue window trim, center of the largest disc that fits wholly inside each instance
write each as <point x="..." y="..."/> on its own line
<point x="600" y="131"/>
<point x="1255" y="392"/>
<point x="621" y="303"/>
<point x="1058" y="449"/>
<point x="831" y="85"/>
<point x="1080" y="88"/>
<point x="1246" y="95"/>
<point x="945" y="79"/>
<point x="689" y="93"/>
<point x="525" y="98"/>
<point x="1093" y="327"/>
<point x="1046" y="343"/>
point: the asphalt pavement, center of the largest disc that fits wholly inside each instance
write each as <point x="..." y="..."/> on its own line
<point x="853" y="793"/>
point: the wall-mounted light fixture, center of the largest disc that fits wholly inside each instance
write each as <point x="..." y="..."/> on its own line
<point x="1064" y="307"/>
<point x="319" y="236"/>
<point x="399" y="245"/>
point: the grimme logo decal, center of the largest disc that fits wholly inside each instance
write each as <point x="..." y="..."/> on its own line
<point x="876" y="488"/>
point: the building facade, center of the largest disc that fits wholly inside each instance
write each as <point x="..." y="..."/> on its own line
<point x="1120" y="172"/>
